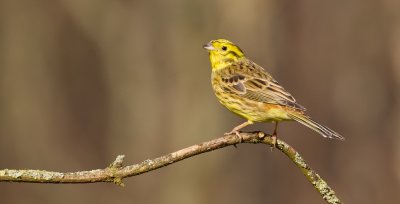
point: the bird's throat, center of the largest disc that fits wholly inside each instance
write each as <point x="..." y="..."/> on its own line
<point x="218" y="62"/>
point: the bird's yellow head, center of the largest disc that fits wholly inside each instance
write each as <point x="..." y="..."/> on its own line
<point x="223" y="53"/>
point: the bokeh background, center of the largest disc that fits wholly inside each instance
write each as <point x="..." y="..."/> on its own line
<point x="84" y="81"/>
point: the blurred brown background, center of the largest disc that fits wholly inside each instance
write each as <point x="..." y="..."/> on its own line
<point x="84" y="81"/>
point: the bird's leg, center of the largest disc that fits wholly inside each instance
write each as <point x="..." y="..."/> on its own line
<point x="237" y="128"/>
<point x="274" y="135"/>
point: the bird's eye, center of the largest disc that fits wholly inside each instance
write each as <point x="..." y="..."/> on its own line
<point x="224" y="48"/>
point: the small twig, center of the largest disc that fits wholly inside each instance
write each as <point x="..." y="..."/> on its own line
<point x="115" y="172"/>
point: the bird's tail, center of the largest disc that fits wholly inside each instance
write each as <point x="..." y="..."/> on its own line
<point x="321" y="129"/>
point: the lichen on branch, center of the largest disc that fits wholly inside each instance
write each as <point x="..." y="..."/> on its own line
<point x="116" y="171"/>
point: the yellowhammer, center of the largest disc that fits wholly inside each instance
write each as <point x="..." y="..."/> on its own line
<point x="248" y="90"/>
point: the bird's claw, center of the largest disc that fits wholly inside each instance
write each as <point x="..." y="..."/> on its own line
<point x="237" y="133"/>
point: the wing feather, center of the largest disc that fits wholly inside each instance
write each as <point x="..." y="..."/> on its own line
<point x="250" y="81"/>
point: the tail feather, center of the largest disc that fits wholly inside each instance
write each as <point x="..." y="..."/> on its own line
<point x="321" y="129"/>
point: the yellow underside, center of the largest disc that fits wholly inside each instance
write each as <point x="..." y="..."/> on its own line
<point x="257" y="112"/>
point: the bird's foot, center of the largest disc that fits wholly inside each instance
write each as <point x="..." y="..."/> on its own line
<point x="237" y="133"/>
<point x="273" y="143"/>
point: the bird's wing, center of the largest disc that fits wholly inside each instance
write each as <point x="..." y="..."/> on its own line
<point x="249" y="80"/>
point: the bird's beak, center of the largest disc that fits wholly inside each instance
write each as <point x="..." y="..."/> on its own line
<point x="208" y="47"/>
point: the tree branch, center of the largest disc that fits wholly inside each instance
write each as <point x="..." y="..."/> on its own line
<point x="115" y="172"/>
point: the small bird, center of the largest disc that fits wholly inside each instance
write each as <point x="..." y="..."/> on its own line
<point x="246" y="89"/>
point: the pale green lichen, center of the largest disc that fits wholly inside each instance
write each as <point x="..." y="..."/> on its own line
<point x="118" y="182"/>
<point x="31" y="174"/>
<point x="16" y="174"/>
<point x="327" y="193"/>
<point x="118" y="162"/>
<point x="300" y="161"/>
<point x="51" y="175"/>
<point x="148" y="162"/>
<point x="319" y="184"/>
